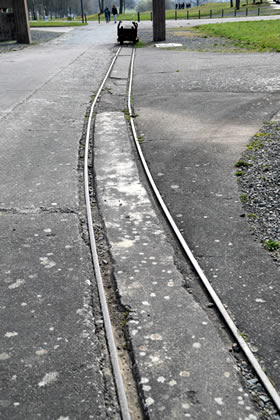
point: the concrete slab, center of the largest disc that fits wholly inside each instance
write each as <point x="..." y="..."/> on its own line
<point x="182" y="365"/>
<point x="207" y="113"/>
<point x="54" y="360"/>
<point x="49" y="345"/>
<point x="120" y="70"/>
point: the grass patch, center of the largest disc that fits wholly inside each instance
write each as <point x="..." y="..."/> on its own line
<point x="272" y="245"/>
<point x="244" y="198"/>
<point x="242" y="164"/>
<point x="255" y="145"/>
<point x="252" y="215"/>
<point x="244" y="336"/>
<point x="239" y="173"/>
<point x="141" y="44"/>
<point x="55" y="23"/>
<point x="260" y="35"/>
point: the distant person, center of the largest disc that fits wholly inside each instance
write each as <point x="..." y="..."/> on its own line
<point x="107" y="15"/>
<point x="114" y="13"/>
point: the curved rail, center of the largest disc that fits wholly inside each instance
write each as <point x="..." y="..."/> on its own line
<point x="231" y="325"/>
<point x="104" y="307"/>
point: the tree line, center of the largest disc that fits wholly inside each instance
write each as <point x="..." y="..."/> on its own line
<point x="63" y="8"/>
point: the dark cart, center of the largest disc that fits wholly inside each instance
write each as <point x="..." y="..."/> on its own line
<point x="127" y="32"/>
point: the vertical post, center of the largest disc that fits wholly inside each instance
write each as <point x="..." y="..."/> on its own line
<point x="159" y="20"/>
<point x="138" y="16"/>
<point x="199" y="14"/>
<point x="234" y="12"/>
<point x="23" y="35"/>
<point x="85" y="17"/>
<point x="259" y="11"/>
<point x="175" y="14"/>
<point x="98" y="17"/>
<point x="222" y="13"/>
<point x="246" y="11"/>
<point x="210" y="14"/>
<point x="188" y="14"/>
<point x="82" y="10"/>
<point x="151" y="14"/>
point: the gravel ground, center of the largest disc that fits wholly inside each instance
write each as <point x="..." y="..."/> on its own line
<point x="37" y="37"/>
<point x="191" y="40"/>
<point x="259" y="179"/>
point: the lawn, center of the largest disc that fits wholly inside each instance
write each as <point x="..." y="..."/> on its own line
<point x="260" y="36"/>
<point x="43" y="23"/>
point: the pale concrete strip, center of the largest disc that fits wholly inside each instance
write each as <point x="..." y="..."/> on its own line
<point x="120" y="70"/>
<point x="183" y="366"/>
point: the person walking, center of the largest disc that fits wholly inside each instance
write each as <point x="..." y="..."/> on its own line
<point x="114" y="13"/>
<point x="107" y="15"/>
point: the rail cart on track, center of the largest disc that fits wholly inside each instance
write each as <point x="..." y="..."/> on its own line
<point x="127" y="32"/>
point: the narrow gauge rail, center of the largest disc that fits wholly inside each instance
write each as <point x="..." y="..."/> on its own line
<point x="104" y="307"/>
<point x="107" y="322"/>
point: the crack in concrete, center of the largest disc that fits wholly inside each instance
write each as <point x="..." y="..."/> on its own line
<point x="38" y="210"/>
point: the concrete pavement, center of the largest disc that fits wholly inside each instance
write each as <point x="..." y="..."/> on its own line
<point x="196" y="113"/>
<point x="53" y="359"/>
<point x="182" y="366"/>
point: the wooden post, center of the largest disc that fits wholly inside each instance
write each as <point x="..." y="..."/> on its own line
<point x="21" y="21"/>
<point x="159" y="20"/>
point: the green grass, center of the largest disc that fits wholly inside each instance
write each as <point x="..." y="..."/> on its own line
<point x="244" y="198"/>
<point x="242" y="164"/>
<point x="260" y="36"/>
<point x="54" y="23"/>
<point x="239" y="173"/>
<point x="272" y="245"/>
<point x="192" y="12"/>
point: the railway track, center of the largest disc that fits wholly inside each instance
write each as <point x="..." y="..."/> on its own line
<point x="108" y="126"/>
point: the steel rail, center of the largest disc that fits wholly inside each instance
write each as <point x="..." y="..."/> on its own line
<point x="104" y="307"/>
<point x="217" y="301"/>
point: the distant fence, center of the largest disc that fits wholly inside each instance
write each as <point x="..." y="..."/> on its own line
<point x="235" y="12"/>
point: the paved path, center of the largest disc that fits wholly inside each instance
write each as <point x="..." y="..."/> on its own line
<point x="53" y="356"/>
<point x="182" y="366"/>
<point x="196" y="112"/>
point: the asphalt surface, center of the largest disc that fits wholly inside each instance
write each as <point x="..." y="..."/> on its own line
<point x="196" y="113"/>
<point x="54" y="361"/>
